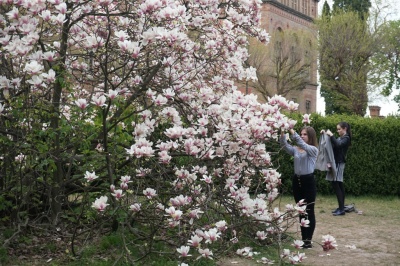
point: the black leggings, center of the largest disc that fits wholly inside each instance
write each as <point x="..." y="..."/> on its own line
<point x="338" y="187"/>
<point x="304" y="187"/>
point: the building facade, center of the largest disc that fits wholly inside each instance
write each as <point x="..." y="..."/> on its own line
<point x="294" y="15"/>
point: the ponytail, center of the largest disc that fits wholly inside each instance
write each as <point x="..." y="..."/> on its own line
<point x="348" y="129"/>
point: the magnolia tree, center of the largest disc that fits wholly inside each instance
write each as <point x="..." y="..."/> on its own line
<point x="123" y="115"/>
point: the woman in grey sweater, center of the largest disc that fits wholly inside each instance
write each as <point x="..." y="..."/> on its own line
<point x="303" y="182"/>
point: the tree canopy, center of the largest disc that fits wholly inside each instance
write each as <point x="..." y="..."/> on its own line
<point x="360" y="7"/>
<point x="385" y="73"/>
<point x="345" y="49"/>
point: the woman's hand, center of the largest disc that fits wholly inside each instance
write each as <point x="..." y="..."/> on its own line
<point x="322" y="132"/>
<point x="329" y="133"/>
<point x="291" y="131"/>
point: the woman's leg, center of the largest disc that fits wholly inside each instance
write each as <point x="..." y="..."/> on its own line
<point x="341" y="187"/>
<point x="339" y="191"/>
<point x="310" y="193"/>
<point x="305" y="188"/>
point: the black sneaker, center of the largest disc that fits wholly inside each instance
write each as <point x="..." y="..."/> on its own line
<point x="339" y="212"/>
<point x="307" y="245"/>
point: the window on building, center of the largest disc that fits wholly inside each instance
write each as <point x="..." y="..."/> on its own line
<point x="304" y="7"/>
<point x="308" y="105"/>
<point x="294" y="4"/>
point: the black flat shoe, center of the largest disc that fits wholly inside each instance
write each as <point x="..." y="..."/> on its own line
<point x="307" y="244"/>
<point x="339" y="212"/>
<point x="335" y="210"/>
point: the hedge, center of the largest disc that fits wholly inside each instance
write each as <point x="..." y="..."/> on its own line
<point x="372" y="166"/>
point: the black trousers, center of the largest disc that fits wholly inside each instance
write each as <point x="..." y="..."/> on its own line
<point x="304" y="187"/>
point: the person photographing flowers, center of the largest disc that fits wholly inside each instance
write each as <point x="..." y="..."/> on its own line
<point x="340" y="147"/>
<point x="303" y="183"/>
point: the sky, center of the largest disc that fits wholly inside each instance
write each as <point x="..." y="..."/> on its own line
<point x="388" y="106"/>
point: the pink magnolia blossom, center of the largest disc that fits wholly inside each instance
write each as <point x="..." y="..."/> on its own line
<point x="149" y="193"/>
<point x="195" y="240"/>
<point x="298" y="244"/>
<point x="94" y="42"/>
<point x="121" y="35"/>
<point x="245" y="252"/>
<point x="328" y="242"/>
<point x="36" y="81"/>
<point x="59" y="19"/>
<point x="306" y="119"/>
<point x="160" y="100"/>
<point x="50" y="77"/>
<point x="164" y="157"/>
<point x="112" y="94"/>
<point x="13" y="14"/>
<point x="62" y="8"/>
<point x="81" y="103"/>
<point x="183" y="251"/>
<point x="100" y="204"/>
<point x="118" y="194"/>
<point x="211" y="235"/>
<point x="194" y="214"/>
<point x="45" y="15"/>
<point x="173" y="213"/>
<point x="180" y="200"/>
<point x="124" y="186"/>
<point x="207" y="179"/>
<point x="205" y="253"/>
<point x="305" y="222"/>
<point x="142" y="148"/>
<point x="90" y="176"/>
<point x="261" y="235"/>
<point x="135" y="207"/>
<point x="99" y="101"/>
<point x="126" y="179"/>
<point x="33" y="68"/>
<point x="221" y="226"/>
<point x="285" y="253"/>
<point x="292" y="106"/>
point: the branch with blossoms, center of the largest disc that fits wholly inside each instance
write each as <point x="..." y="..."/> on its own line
<point x="228" y="162"/>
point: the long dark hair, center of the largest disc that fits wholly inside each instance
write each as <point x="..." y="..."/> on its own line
<point x="312" y="136"/>
<point x="348" y="129"/>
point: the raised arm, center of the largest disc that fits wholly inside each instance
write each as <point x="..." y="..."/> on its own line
<point x="341" y="142"/>
<point x="285" y="145"/>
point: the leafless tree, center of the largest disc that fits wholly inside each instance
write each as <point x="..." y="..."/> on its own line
<point x="285" y="64"/>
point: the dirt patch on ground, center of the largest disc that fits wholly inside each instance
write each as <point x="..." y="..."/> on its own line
<point x="370" y="238"/>
<point x="362" y="240"/>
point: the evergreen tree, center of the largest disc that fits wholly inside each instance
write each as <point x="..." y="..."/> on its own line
<point x="361" y="7"/>
<point x="326" y="10"/>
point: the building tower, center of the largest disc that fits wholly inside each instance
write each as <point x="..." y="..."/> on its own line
<point x="294" y="15"/>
